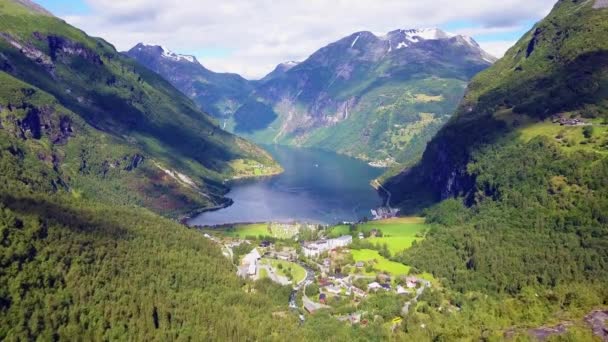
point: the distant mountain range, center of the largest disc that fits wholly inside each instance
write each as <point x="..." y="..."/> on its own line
<point x="378" y="98"/>
<point x="218" y="94"/>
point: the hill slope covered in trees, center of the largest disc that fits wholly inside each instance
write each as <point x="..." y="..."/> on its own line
<point x="525" y="163"/>
<point x="95" y="116"/>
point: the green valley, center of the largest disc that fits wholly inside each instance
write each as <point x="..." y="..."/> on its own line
<point x="130" y="210"/>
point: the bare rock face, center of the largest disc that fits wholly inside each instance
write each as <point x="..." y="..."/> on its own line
<point x="60" y="46"/>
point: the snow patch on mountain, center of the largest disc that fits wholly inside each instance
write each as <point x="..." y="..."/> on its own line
<point x="355" y="41"/>
<point x="428" y="34"/>
<point x="175" y="56"/>
<point x="402" y="45"/>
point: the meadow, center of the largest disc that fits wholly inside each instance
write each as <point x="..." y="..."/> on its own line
<point x="381" y="263"/>
<point x="285" y="267"/>
<point x="397" y="233"/>
<point x="244" y="230"/>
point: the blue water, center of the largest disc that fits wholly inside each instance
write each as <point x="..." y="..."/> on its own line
<point x="317" y="187"/>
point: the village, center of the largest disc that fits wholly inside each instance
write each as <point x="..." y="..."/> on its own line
<point x="327" y="267"/>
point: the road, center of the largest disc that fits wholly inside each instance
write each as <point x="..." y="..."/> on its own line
<point x="272" y="275"/>
<point x="406" y="307"/>
<point x="388" y="193"/>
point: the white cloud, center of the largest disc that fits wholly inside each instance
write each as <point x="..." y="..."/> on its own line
<point x="497" y="48"/>
<point x="258" y="34"/>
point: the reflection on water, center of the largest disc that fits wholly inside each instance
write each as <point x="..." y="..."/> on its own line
<point x="317" y="186"/>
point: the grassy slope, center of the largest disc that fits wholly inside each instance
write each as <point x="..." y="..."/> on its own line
<point x="388" y="118"/>
<point x="297" y="271"/>
<point x="115" y="95"/>
<point x="382" y="263"/>
<point x="398" y="233"/>
<point x="393" y="121"/>
<point x="398" y="236"/>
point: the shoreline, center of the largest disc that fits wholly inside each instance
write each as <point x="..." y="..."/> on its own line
<point x="189" y="215"/>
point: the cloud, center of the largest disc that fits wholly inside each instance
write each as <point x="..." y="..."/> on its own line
<point x="262" y="33"/>
<point x="497" y="48"/>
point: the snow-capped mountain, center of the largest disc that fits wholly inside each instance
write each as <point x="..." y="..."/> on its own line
<point x="177" y="57"/>
<point x="218" y="94"/>
<point x="367" y="95"/>
<point x="376" y="97"/>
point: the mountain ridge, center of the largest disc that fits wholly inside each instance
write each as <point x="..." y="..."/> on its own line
<point x="219" y="94"/>
<point x="115" y="98"/>
<point x="414" y="76"/>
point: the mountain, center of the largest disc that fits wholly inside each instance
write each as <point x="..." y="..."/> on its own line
<point x="218" y="94"/>
<point x="555" y="71"/>
<point x="87" y="139"/>
<point x="379" y="98"/>
<point x="280" y="70"/>
<point x="91" y="116"/>
<point x="517" y="181"/>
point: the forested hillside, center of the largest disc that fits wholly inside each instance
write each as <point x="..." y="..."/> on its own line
<point x="219" y="94"/>
<point x="96" y="117"/>
<point x="87" y="138"/>
<point x="525" y="161"/>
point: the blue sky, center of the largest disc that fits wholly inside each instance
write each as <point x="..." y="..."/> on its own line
<point x="251" y="36"/>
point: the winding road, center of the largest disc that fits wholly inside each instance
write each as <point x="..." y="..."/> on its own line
<point x="406" y="307"/>
<point x="388" y="193"/>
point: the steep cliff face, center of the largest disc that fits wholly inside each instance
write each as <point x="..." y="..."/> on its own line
<point x="558" y="69"/>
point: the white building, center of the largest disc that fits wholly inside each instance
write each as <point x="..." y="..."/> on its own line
<point x="333" y="289"/>
<point x="251" y="261"/>
<point x="316" y="248"/>
<point x="373" y="286"/>
<point x="342" y="241"/>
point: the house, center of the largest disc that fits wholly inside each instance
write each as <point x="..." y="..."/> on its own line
<point x="323" y="282"/>
<point x="326" y="262"/>
<point x="355" y="318"/>
<point x="251" y="261"/>
<point x="342" y="241"/>
<point x="333" y="289"/>
<point x="384" y="278"/>
<point x="322" y="298"/>
<point x="373" y="232"/>
<point x="360" y="264"/>
<point x="310" y="306"/>
<point x="361" y="236"/>
<point x="374" y="286"/>
<point x="386" y="287"/>
<point x="286" y="254"/>
<point x="358" y="292"/>
<point x="411" y="282"/>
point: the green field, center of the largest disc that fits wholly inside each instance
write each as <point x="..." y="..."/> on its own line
<point x="398" y="233"/>
<point x="339" y="230"/>
<point x="263" y="273"/>
<point x="256" y="230"/>
<point x="241" y="231"/>
<point x="297" y="271"/>
<point x="382" y="264"/>
<point x="570" y="138"/>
